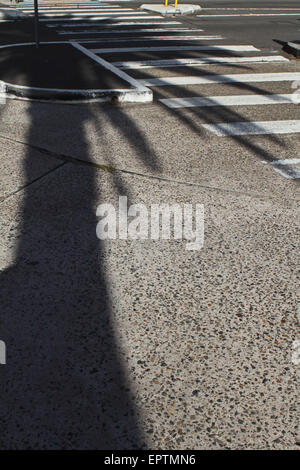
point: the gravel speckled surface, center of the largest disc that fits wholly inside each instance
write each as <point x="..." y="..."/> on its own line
<point x="143" y="344"/>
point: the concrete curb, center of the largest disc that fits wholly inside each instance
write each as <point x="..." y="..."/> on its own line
<point x="293" y="48"/>
<point x="170" y="10"/>
<point x="136" y="94"/>
<point x="11" y="14"/>
<point x="72" y="96"/>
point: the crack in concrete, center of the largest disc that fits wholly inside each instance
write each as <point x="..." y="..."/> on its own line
<point x="111" y="169"/>
<point x="31" y="182"/>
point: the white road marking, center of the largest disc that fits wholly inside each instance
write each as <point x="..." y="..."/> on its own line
<point x="233" y="100"/>
<point x="176" y="48"/>
<point x="289" y="173"/>
<point x="146" y="23"/>
<point x="296" y="351"/>
<point x="288" y="161"/>
<point x="254" y="128"/>
<point x="249" y="15"/>
<point x="131" y="23"/>
<point x="149" y="39"/>
<point x="128" y="31"/>
<point x="102" y="18"/>
<point x="146" y="93"/>
<point x="196" y="62"/>
<point x="235" y="78"/>
<point x="80" y="15"/>
<point x="251" y="8"/>
<point x="78" y="10"/>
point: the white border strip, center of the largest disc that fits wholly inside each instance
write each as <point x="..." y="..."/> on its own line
<point x="289" y="161"/>
<point x="227" y="100"/>
<point x="146" y="93"/>
<point x="254" y="128"/>
<point x="102" y="18"/>
<point x="101" y="13"/>
<point x="170" y="63"/>
<point x="130" y="31"/>
<point x="116" y="23"/>
<point x="146" y="38"/>
<point x="249" y="15"/>
<point x="235" y="78"/>
<point x="176" y="48"/>
<point x="288" y="173"/>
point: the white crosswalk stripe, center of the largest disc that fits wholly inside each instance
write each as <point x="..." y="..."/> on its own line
<point x="123" y="23"/>
<point x="100" y="17"/>
<point x="155" y="38"/>
<point x="72" y="13"/>
<point x="75" y="10"/>
<point x="254" y="128"/>
<point x="234" y="78"/>
<point x="176" y="48"/>
<point x="249" y="15"/>
<point x="126" y="31"/>
<point x="115" y="23"/>
<point x="192" y="62"/>
<point x="231" y="100"/>
<point x="146" y="37"/>
<point x="289" y="168"/>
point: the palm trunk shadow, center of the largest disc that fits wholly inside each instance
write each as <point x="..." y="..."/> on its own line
<point x="64" y="385"/>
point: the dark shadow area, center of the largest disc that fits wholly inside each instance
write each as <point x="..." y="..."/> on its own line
<point x="65" y="384"/>
<point x="56" y="67"/>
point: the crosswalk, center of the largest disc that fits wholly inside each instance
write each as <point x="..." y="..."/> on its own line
<point x="172" y="58"/>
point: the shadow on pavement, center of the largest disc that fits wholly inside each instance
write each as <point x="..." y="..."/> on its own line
<point x="64" y="385"/>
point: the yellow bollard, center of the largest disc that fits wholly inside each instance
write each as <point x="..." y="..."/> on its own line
<point x="166" y="3"/>
<point x="175" y="4"/>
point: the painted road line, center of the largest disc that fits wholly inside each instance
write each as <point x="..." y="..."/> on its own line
<point x="72" y="7"/>
<point x="142" y="94"/>
<point x="114" y="13"/>
<point x="252" y="9"/>
<point x="248" y="15"/>
<point x="111" y="25"/>
<point x="280" y="167"/>
<point x="232" y="100"/>
<point x="254" y="128"/>
<point x="102" y="18"/>
<point x="123" y="23"/>
<point x="59" y="3"/>
<point x="196" y="62"/>
<point x="57" y="7"/>
<point x="133" y="31"/>
<point x="235" y="78"/>
<point x="289" y="161"/>
<point x="78" y="10"/>
<point x="176" y="48"/>
<point x="145" y="38"/>
<point x="289" y="173"/>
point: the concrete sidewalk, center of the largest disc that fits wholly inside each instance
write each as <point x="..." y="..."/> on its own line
<point x="126" y="344"/>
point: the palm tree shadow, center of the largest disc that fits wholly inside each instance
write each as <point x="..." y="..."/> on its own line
<point x="65" y="385"/>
